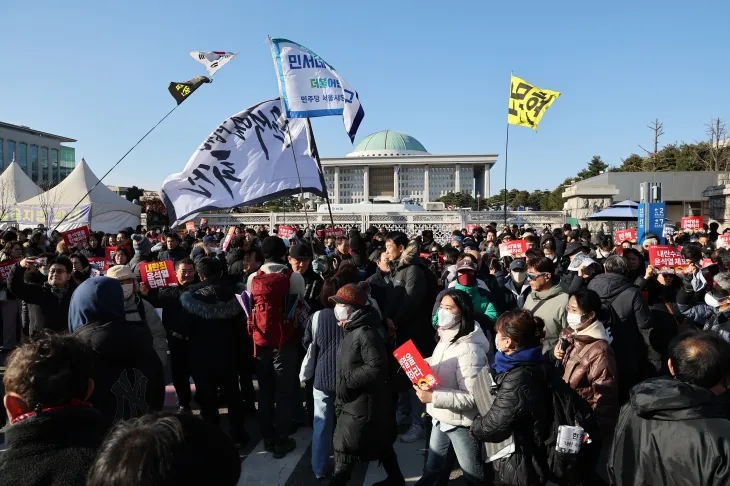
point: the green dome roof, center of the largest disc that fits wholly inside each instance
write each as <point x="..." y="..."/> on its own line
<point x="388" y="143"/>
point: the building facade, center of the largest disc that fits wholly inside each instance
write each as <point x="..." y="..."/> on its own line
<point x="393" y="165"/>
<point x="39" y="154"/>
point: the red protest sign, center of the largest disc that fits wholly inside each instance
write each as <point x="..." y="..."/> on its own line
<point x="229" y="237"/>
<point x="77" y="237"/>
<point x="667" y="259"/>
<point x="286" y="232"/>
<point x="203" y="222"/>
<point x="5" y="268"/>
<point x="625" y="235"/>
<point x="336" y="232"/>
<point x="723" y="241"/>
<point x="158" y="274"/>
<point x="109" y="251"/>
<point x="692" y="223"/>
<point x="97" y="263"/>
<point x="471" y="227"/>
<point x="415" y="366"/>
<point x="190" y="226"/>
<point x="515" y="249"/>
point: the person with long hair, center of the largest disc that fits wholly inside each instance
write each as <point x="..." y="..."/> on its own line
<point x="460" y="354"/>
<point x="517" y="418"/>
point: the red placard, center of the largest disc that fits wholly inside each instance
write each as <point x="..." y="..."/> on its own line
<point x="625" y="235"/>
<point x="336" y="232"/>
<point x="286" y="232"/>
<point x="515" y="249"/>
<point x="723" y="241"/>
<point x="693" y="223"/>
<point x="415" y="366"/>
<point x="667" y="259"/>
<point x="203" y="222"/>
<point x="190" y="227"/>
<point x="229" y="237"/>
<point x="76" y="238"/>
<point x="5" y="268"/>
<point x="109" y="251"/>
<point x="158" y="274"/>
<point x="471" y="227"/>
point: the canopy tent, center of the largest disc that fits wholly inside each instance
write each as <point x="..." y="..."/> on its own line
<point x="16" y="186"/>
<point x="109" y="212"/>
<point x="626" y="210"/>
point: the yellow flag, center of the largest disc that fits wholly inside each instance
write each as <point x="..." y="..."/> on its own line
<point x="528" y="103"/>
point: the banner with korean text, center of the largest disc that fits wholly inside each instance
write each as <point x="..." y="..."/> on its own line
<point x="76" y="238"/>
<point x="158" y="275"/>
<point x="515" y="249"/>
<point x="415" y="366"/>
<point x="310" y="87"/>
<point x="252" y="157"/>
<point x="667" y="259"/>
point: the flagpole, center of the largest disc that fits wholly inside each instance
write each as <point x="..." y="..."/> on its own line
<point x="301" y="187"/>
<point x="321" y="173"/>
<point x="506" y="150"/>
<point x="116" y="164"/>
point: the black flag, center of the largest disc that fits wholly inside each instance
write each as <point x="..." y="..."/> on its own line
<point x="181" y="91"/>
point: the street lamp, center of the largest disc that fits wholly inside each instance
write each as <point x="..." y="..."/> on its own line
<point x="479" y="200"/>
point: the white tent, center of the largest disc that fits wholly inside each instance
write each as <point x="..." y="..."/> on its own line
<point x="16" y="186"/>
<point x="109" y="212"/>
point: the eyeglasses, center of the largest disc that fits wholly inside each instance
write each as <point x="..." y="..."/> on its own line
<point x="56" y="270"/>
<point x="533" y="276"/>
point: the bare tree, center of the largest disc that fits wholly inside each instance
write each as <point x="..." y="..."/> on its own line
<point x="651" y="162"/>
<point x="48" y="201"/>
<point x="714" y="154"/>
<point x="7" y="199"/>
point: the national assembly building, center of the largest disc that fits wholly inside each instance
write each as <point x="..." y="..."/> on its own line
<point x="390" y="165"/>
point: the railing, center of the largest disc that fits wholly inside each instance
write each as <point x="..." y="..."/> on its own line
<point x="442" y="223"/>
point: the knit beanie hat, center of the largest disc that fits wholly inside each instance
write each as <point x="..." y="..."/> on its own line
<point x="141" y="245"/>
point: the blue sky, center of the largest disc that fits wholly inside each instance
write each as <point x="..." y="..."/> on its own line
<point x="98" y="71"/>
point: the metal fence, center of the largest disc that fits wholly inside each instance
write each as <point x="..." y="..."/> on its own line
<point x="442" y="223"/>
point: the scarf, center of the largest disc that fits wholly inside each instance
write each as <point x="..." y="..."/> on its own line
<point x="597" y="331"/>
<point x="505" y="362"/>
<point x="58" y="292"/>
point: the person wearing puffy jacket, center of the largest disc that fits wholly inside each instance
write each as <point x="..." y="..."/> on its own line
<point x="518" y="410"/>
<point x="460" y="355"/>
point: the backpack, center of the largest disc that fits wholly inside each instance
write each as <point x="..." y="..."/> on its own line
<point x="566" y="407"/>
<point x="268" y="325"/>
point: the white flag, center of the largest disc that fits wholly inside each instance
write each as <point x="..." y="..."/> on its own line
<point x="310" y="87"/>
<point x="247" y="160"/>
<point x="213" y="60"/>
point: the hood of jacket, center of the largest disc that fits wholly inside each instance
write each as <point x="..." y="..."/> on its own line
<point x="98" y="299"/>
<point x="211" y="301"/>
<point x="476" y="337"/>
<point x="367" y="316"/>
<point x="669" y="399"/>
<point x="510" y="284"/>
<point x="609" y="285"/>
<point x="547" y="294"/>
<point x="409" y="255"/>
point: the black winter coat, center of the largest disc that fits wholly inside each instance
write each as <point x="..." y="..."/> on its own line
<point x="671" y="434"/>
<point x="56" y="448"/>
<point x="234" y="262"/>
<point x="365" y="417"/>
<point x="631" y="335"/>
<point x="519" y="410"/>
<point x="175" y="255"/>
<point x="174" y="318"/>
<point x="216" y="321"/>
<point x="45" y="310"/>
<point x="129" y="380"/>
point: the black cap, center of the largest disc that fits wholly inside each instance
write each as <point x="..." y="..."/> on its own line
<point x="301" y="252"/>
<point x="273" y="247"/>
<point x="573" y="247"/>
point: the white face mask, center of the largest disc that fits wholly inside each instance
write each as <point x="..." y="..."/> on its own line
<point x="496" y="345"/>
<point x="341" y="312"/>
<point x="519" y="277"/>
<point x="128" y="290"/>
<point x="574" y="320"/>
<point x="447" y="320"/>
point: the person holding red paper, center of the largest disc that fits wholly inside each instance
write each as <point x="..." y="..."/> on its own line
<point x="460" y="355"/>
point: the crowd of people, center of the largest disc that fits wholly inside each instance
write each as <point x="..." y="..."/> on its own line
<point x="637" y="359"/>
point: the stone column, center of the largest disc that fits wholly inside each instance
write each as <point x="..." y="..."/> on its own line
<point x="366" y="183"/>
<point x="486" y="192"/>
<point x="396" y="180"/>
<point x="426" y="194"/>
<point x="337" y="185"/>
<point x="457" y="179"/>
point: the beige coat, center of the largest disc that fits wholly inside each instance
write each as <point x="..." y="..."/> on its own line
<point x="456" y="365"/>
